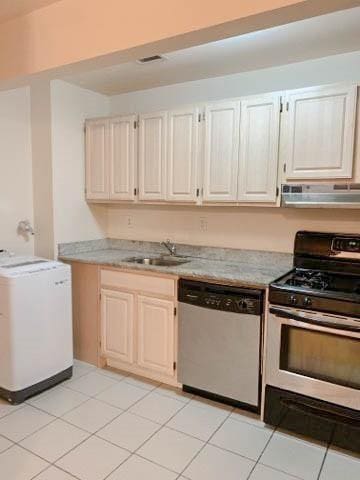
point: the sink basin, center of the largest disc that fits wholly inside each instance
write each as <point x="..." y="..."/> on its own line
<point x="160" y="261"/>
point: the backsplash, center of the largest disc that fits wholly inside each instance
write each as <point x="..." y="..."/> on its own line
<point x="251" y="228"/>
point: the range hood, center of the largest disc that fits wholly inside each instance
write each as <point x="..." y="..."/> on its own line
<point x="321" y="195"/>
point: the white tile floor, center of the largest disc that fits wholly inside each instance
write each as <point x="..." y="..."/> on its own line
<point x="104" y="425"/>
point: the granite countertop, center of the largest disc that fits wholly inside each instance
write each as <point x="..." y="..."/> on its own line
<point x="250" y="268"/>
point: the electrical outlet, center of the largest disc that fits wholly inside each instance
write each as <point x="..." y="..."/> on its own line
<point x="203" y="224"/>
<point x="129" y="221"/>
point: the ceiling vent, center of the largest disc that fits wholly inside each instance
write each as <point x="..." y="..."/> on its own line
<point x="153" y="58"/>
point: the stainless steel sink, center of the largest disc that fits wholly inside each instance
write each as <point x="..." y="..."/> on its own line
<point x="160" y="261"/>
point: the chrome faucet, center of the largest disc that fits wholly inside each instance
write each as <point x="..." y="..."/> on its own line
<point x="170" y="246"/>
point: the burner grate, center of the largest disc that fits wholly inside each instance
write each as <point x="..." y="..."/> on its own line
<point x="310" y="279"/>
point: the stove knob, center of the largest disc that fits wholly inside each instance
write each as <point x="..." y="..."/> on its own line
<point x="307" y="301"/>
<point x="293" y="300"/>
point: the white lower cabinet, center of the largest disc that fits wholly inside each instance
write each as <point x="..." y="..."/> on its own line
<point x="155" y="334"/>
<point x="117" y="324"/>
<point x="138" y="329"/>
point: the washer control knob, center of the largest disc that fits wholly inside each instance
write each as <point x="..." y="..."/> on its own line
<point x="293" y="300"/>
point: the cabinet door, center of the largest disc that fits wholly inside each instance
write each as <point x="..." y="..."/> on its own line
<point x="122" y="153"/>
<point x="182" y="153"/>
<point x="259" y="149"/>
<point x="221" y="151"/>
<point x="117" y="325"/>
<point x="320" y="132"/>
<point x="96" y="159"/>
<point x="152" y="156"/>
<point x="156" y="335"/>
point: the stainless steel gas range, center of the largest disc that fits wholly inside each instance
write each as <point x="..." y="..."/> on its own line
<point x="313" y="341"/>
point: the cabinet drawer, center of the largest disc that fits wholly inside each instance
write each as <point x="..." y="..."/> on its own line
<point x="139" y="283"/>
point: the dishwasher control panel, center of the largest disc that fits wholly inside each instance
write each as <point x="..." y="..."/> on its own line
<point x="221" y="297"/>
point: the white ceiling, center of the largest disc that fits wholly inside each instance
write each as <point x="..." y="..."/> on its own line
<point x="14" y="8"/>
<point x="312" y="38"/>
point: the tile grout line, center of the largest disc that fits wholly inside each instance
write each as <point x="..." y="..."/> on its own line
<point x="205" y="444"/>
<point x="83" y="441"/>
<point x="326" y="452"/>
<point x="17" y="443"/>
<point x="89" y="397"/>
<point x="261" y="453"/>
<point x="233" y="452"/>
<point x="94" y="433"/>
<point x="161" y="426"/>
<point x="122" y="411"/>
<point x="50" y="466"/>
<point x="291" y="475"/>
<point x="323" y="462"/>
<point x="10" y="446"/>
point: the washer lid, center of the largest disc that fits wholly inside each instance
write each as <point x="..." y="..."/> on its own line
<point x="18" y="266"/>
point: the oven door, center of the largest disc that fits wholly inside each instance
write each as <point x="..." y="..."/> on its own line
<point x="314" y="354"/>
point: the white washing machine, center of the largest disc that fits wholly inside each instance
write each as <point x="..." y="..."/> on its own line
<point x="36" y="349"/>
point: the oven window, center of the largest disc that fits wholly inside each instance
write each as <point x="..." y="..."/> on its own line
<point x="324" y="356"/>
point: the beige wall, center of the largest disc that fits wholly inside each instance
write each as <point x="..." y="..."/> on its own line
<point x="15" y="169"/>
<point x="42" y="169"/>
<point x="71" y="31"/>
<point x="239" y="227"/>
<point x="332" y="69"/>
<point x="74" y="219"/>
<point x="236" y="227"/>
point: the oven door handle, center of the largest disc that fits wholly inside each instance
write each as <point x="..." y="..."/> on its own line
<point x="315" y="411"/>
<point x="348" y="325"/>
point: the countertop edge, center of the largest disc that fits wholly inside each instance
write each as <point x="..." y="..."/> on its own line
<point x="167" y="271"/>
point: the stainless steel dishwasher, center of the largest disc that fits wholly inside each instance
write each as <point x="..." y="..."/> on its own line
<point x="220" y="331"/>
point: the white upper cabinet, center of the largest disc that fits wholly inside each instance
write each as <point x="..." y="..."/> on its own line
<point x="122" y="157"/>
<point x="259" y="148"/>
<point x="231" y="149"/>
<point x="221" y="151"/>
<point x="320" y="132"/>
<point x="182" y="154"/>
<point x="152" y="156"/>
<point x="97" y="166"/>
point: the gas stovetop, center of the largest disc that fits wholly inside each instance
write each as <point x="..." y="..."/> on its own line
<point x="326" y="276"/>
<point x="331" y="283"/>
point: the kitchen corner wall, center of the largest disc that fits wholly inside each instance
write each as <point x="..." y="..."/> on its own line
<point x="16" y="199"/>
<point x="61" y="213"/>
<point x="43" y="167"/>
<point x="238" y="227"/>
<point x="74" y="219"/>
